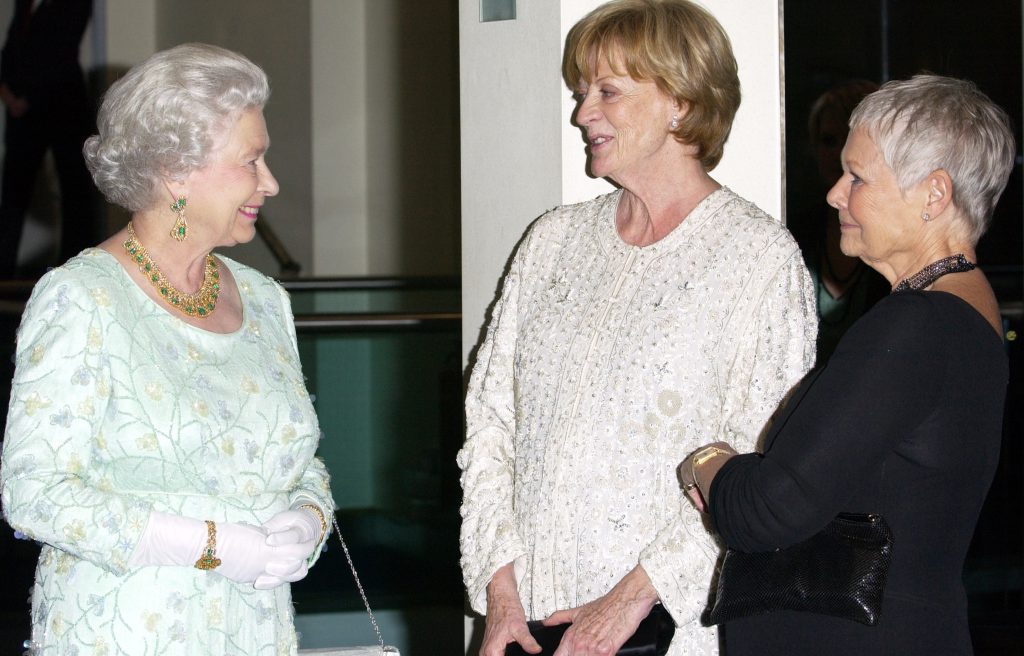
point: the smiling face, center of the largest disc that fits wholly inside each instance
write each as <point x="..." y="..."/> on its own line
<point x="225" y="195"/>
<point x="879" y="224"/>
<point x="626" y="123"/>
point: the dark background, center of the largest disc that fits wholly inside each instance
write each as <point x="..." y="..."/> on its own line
<point x="827" y="43"/>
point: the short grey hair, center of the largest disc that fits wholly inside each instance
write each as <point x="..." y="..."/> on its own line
<point x="158" y="122"/>
<point x="931" y="122"/>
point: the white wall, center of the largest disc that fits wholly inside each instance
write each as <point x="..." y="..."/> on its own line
<point x="386" y="118"/>
<point x="340" y="198"/>
<point x="511" y="95"/>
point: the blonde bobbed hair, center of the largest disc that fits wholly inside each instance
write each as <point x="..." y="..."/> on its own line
<point x="677" y="45"/>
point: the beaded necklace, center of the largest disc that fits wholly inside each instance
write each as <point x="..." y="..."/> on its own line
<point x="200" y="304"/>
<point x="926" y="276"/>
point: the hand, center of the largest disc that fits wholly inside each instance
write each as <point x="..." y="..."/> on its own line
<point x="16" y="105"/>
<point x="506" y="619"/>
<point x="245" y="551"/>
<point x="294" y="526"/>
<point x="246" y="555"/>
<point x="290" y="527"/>
<point x="601" y="627"/>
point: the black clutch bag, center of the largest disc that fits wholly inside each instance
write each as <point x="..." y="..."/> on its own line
<point x="840" y="572"/>
<point x="652" y="637"/>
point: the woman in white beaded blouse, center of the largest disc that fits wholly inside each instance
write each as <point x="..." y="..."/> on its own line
<point x="160" y="441"/>
<point x="630" y="328"/>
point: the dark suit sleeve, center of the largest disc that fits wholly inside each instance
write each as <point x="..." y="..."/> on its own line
<point x="12" y="44"/>
<point x="834" y="434"/>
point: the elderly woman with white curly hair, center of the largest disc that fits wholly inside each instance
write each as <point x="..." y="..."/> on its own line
<point x="160" y="440"/>
<point x="905" y="420"/>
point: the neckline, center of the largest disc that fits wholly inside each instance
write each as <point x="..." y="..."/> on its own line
<point x="970" y="308"/>
<point x="690" y="222"/>
<point x="126" y="279"/>
<point x="956" y="263"/>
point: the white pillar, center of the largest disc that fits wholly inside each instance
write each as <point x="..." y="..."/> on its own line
<point x="339" y="151"/>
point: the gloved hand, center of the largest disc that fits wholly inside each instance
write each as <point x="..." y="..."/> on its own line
<point x="169" y="540"/>
<point x="245" y="553"/>
<point x="300" y="528"/>
<point x="293" y="526"/>
<point x="242" y="549"/>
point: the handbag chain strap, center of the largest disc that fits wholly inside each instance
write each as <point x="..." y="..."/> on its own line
<point x="362" y="593"/>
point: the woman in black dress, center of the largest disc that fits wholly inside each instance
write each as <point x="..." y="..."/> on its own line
<point x="905" y="419"/>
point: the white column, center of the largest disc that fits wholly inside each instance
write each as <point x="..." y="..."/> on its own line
<point x="130" y="31"/>
<point x="511" y="126"/>
<point x="339" y="92"/>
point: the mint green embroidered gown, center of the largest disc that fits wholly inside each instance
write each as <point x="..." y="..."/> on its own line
<point x="118" y="408"/>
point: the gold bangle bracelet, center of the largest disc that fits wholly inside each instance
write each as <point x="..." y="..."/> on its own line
<point x="209" y="559"/>
<point x="702" y="455"/>
<point x="320" y="515"/>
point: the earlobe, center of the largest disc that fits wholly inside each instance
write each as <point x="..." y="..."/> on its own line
<point x="940" y="192"/>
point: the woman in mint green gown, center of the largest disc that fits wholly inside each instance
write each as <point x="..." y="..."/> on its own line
<point x="160" y="440"/>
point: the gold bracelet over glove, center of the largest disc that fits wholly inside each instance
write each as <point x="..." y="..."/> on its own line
<point x="320" y="515"/>
<point x="209" y="559"/>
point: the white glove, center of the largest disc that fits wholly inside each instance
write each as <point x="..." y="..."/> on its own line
<point x="299" y="528"/>
<point x="242" y="549"/>
<point x="294" y="526"/>
<point x="169" y="540"/>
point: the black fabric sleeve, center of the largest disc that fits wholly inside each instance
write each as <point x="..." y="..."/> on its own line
<point x="13" y="43"/>
<point x="831" y="439"/>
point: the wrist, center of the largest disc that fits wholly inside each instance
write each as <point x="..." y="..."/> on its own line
<point x="503" y="582"/>
<point x="705" y="463"/>
<point x="640" y="586"/>
<point x="318" y="514"/>
<point x="209" y="559"/>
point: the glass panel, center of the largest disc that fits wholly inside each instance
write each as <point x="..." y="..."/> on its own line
<point x="497" y="10"/>
<point x="390" y="408"/>
<point x="382" y="295"/>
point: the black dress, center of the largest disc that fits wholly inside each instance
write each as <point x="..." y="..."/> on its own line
<point x="905" y="420"/>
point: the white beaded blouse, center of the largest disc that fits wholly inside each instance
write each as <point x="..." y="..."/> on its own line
<point x="603" y="366"/>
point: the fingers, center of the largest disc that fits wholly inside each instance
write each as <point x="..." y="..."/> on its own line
<point x="698" y="500"/>
<point x="526" y="640"/>
<point x="300" y="523"/>
<point x="284" y="536"/>
<point x="561" y="617"/>
<point x="505" y="626"/>
<point x="267" y="582"/>
<point x="287" y="570"/>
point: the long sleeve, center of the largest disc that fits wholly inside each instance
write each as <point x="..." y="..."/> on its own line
<point x="488" y="537"/>
<point x="315" y="484"/>
<point x="843" y="423"/>
<point x="774" y="340"/>
<point x="59" y="396"/>
<point x="13" y="43"/>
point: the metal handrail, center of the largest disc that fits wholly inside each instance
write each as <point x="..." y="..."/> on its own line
<point x="369" y="283"/>
<point x="378" y="322"/>
<point x="289" y="266"/>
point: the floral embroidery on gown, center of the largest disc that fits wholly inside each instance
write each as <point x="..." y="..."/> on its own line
<point x="118" y="408"/>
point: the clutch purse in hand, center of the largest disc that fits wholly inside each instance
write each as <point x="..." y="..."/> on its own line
<point x="652" y="637"/>
<point x="840" y="571"/>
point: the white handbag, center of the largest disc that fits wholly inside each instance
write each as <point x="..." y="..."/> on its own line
<point x="379" y="649"/>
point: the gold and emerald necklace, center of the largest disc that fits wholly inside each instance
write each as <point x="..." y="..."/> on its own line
<point x="200" y="304"/>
